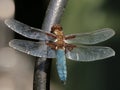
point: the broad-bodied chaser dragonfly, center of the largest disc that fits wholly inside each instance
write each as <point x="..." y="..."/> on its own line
<point x="57" y="45"/>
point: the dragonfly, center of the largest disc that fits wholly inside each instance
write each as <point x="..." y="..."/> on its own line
<point x="54" y="44"/>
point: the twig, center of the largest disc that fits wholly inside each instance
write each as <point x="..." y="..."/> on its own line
<point x="42" y="65"/>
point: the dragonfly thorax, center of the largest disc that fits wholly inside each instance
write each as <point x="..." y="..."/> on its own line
<point x="60" y="38"/>
<point x="60" y="44"/>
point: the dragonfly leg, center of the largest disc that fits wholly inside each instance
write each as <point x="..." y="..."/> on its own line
<point x="52" y="45"/>
<point x="54" y="36"/>
<point x="70" y="37"/>
<point x="69" y="46"/>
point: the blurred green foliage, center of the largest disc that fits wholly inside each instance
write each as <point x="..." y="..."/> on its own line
<point x="87" y="15"/>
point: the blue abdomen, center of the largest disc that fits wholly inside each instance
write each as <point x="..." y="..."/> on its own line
<point x="61" y="65"/>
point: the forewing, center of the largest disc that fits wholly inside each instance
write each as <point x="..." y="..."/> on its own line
<point x="90" y="53"/>
<point x="27" y="31"/>
<point x="38" y="49"/>
<point x="91" y="37"/>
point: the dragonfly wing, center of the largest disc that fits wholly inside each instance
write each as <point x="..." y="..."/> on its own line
<point x="27" y="31"/>
<point x="38" y="49"/>
<point x="90" y="53"/>
<point x="91" y="37"/>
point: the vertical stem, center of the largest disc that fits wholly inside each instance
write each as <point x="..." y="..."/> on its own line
<point x="42" y="65"/>
<point x="53" y="13"/>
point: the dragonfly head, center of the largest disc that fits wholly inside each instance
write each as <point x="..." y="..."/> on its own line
<point x="57" y="29"/>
